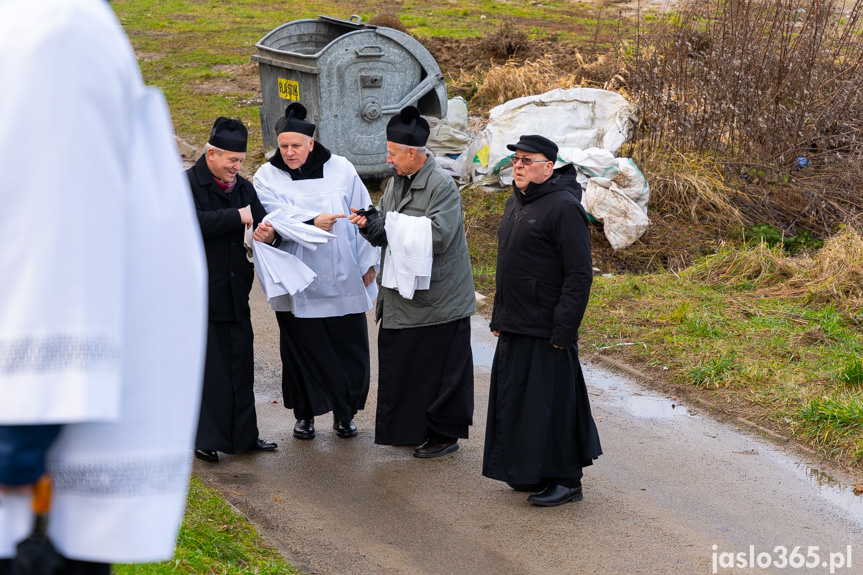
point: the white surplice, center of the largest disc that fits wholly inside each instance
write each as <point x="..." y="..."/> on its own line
<point x="102" y="284"/>
<point x="339" y="265"/>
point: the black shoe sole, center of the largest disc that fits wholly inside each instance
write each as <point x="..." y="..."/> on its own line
<point x="304" y="435"/>
<point x="347" y="434"/>
<point x="441" y="453"/>
<point x="207" y="458"/>
<point x="541" y="503"/>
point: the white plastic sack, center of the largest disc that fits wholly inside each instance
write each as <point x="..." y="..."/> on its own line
<point x="448" y="136"/>
<point x="456" y="113"/>
<point x="576" y="118"/>
<point x="444" y="140"/>
<point x="615" y="193"/>
<point x="624" y="221"/>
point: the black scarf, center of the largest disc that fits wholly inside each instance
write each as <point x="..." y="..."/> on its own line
<point x="311" y="170"/>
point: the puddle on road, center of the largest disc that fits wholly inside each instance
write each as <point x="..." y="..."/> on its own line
<point x="617" y="390"/>
<point x="482" y="354"/>
<point x="655" y="407"/>
<point x="829" y="488"/>
<point x="482" y="343"/>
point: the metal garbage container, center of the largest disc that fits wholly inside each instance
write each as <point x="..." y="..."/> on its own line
<point x="352" y="78"/>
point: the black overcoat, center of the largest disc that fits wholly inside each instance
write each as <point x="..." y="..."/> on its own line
<point x="544" y="265"/>
<point x="230" y="272"/>
<point x="228" y="421"/>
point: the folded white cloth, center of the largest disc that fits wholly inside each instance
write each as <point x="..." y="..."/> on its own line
<point x="292" y="276"/>
<point x="409" y="253"/>
<point x="280" y="272"/>
<point x="293" y="230"/>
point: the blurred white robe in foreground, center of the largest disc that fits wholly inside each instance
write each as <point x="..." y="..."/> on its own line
<point x="102" y="284"/>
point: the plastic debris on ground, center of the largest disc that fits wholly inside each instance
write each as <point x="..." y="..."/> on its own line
<point x="589" y="126"/>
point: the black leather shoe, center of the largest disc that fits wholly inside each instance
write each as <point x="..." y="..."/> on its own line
<point x="434" y="448"/>
<point x="305" y="429"/>
<point x="206" y="455"/>
<point x="555" y="494"/>
<point x="263" y="445"/>
<point x="528" y="487"/>
<point x="345" y="428"/>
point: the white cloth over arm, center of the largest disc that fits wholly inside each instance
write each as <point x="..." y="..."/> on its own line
<point x="104" y="312"/>
<point x="409" y="253"/>
<point x="281" y="272"/>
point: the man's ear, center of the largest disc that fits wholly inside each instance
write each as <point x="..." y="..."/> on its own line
<point x="311" y="144"/>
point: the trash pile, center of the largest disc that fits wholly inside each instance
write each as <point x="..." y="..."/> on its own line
<point x="588" y="125"/>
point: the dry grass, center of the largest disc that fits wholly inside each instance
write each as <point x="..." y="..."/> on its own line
<point x="516" y="79"/>
<point x="835" y="277"/>
<point x="831" y="277"/>
<point x="689" y="185"/>
<point x="761" y="265"/>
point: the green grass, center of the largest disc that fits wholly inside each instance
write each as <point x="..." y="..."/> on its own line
<point x="183" y="40"/>
<point x="788" y="364"/>
<point x="482" y="214"/>
<point x="833" y="422"/>
<point x="214" y="539"/>
<point x="852" y="373"/>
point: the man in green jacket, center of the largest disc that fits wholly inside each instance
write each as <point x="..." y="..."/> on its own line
<point x="425" y="386"/>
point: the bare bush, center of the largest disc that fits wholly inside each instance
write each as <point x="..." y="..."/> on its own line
<point x="754" y="85"/>
<point x="759" y="81"/>
<point x="507" y="41"/>
<point x="388" y="20"/>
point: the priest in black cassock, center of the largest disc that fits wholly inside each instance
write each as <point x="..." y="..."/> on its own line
<point x="227" y="206"/>
<point x="425" y="381"/>
<point x="540" y="432"/>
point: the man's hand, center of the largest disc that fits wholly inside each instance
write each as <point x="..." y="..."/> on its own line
<point x="360" y="221"/>
<point x="264" y="233"/>
<point x="246" y="217"/>
<point x="326" y="221"/>
<point x="369" y="276"/>
<point x="495" y="333"/>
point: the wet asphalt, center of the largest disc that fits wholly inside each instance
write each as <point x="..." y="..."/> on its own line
<point x="674" y="492"/>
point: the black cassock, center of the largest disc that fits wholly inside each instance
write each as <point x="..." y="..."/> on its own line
<point x="539" y="425"/>
<point x="228" y="421"/>
<point x="325" y="364"/>
<point x="425" y="383"/>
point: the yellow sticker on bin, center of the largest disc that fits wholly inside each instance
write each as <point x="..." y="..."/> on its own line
<point x="289" y="89"/>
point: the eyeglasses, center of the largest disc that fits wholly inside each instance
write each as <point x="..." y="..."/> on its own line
<point x="526" y="162"/>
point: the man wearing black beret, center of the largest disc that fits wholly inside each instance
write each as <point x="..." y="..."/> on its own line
<point x="227" y="206"/>
<point x="540" y="432"/>
<point x="425" y="383"/>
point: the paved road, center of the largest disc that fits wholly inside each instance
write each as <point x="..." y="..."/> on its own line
<point x="673" y="492"/>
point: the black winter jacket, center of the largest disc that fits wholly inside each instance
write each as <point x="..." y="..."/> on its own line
<point x="544" y="265"/>
<point x="230" y="273"/>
